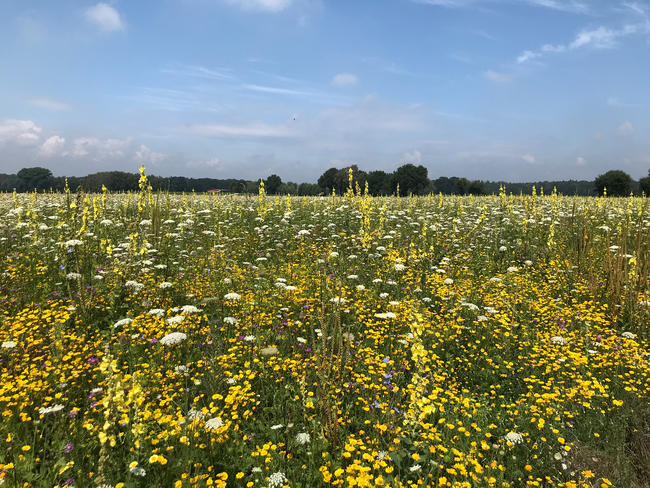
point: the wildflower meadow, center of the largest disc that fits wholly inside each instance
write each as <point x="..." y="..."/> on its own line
<point x="151" y="339"/>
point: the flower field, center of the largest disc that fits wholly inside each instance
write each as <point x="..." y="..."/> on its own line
<point x="157" y="340"/>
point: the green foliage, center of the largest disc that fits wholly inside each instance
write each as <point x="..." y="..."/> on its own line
<point x="618" y="183"/>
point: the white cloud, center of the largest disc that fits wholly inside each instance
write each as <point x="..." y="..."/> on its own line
<point x="48" y="103"/>
<point x="276" y="90"/>
<point x="105" y="17"/>
<point x="20" y="132"/>
<point x="497" y="77"/>
<point x="53" y="146"/>
<point x="261" y="5"/>
<point x="254" y="130"/>
<point x="581" y="161"/>
<point x="571" y="6"/>
<point x="626" y="128"/>
<point x="345" y="79"/>
<point x="529" y="158"/>
<point x="599" y="38"/>
<point x="207" y="163"/>
<point x="100" y="149"/>
<point x="414" y="157"/>
<point x="145" y="155"/>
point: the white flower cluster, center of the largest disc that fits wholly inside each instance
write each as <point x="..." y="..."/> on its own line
<point x="173" y="338"/>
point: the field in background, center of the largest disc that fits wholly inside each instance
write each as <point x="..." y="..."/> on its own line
<point x="164" y="340"/>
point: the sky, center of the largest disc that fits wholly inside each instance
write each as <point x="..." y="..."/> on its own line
<point x="515" y="90"/>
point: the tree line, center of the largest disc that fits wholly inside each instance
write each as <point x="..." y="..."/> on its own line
<point x="408" y="179"/>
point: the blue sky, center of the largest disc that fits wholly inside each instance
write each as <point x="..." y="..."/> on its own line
<point x="515" y="90"/>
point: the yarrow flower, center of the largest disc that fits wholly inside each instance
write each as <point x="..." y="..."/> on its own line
<point x="628" y="335"/>
<point x="514" y="438"/>
<point x="213" y="423"/>
<point x="232" y="296"/>
<point x="303" y="438"/>
<point x="53" y="409"/>
<point x="559" y="340"/>
<point x="277" y="480"/>
<point x="173" y="338"/>
<point x="8" y="344"/>
<point x="190" y="309"/>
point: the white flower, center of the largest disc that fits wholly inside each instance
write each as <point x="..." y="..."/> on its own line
<point x="399" y="267"/>
<point x="227" y="281"/>
<point x="196" y="414"/>
<point x="277" y="480"/>
<point x="73" y="276"/>
<point x="628" y="335"/>
<point x="158" y="312"/>
<point x="232" y="296"/>
<point x="138" y="471"/>
<point x="181" y="369"/>
<point x="353" y="277"/>
<point x="303" y="438"/>
<point x="361" y="287"/>
<point x="8" y="344"/>
<point x="415" y="468"/>
<point x="73" y="242"/>
<point x="134" y="284"/>
<point x="54" y="409"/>
<point x="385" y="315"/>
<point x="122" y="322"/>
<point x="514" y="438"/>
<point x="338" y="300"/>
<point x="190" y="309"/>
<point x="165" y="284"/>
<point x="303" y="232"/>
<point x="176" y="319"/>
<point x="276" y="426"/>
<point x="213" y="423"/>
<point x="448" y="281"/>
<point x="512" y="269"/>
<point x="173" y="338"/>
<point x="230" y="320"/>
<point x="559" y="340"/>
<point x="503" y="249"/>
<point x="249" y="338"/>
<point x="528" y="262"/>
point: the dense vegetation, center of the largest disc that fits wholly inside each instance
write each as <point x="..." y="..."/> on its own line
<point x="408" y="179"/>
<point x="152" y="339"/>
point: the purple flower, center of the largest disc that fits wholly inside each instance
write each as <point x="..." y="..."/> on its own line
<point x="93" y="360"/>
<point x="68" y="448"/>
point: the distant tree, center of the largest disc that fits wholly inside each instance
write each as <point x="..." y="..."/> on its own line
<point x="308" y="189"/>
<point x="342" y="179"/>
<point x="411" y="179"/>
<point x="9" y="182"/>
<point x="617" y="183"/>
<point x="289" y="188"/>
<point x="462" y="185"/>
<point x="476" y="187"/>
<point x="644" y="184"/>
<point x="272" y="184"/>
<point x="35" y="178"/>
<point x="326" y="180"/>
<point x="379" y="183"/>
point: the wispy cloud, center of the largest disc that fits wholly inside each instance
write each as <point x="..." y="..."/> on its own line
<point x="345" y="79"/>
<point x="276" y="90"/>
<point x="254" y="131"/>
<point x="199" y="72"/>
<point x="105" y="17"/>
<point x="626" y="128"/>
<point x="261" y="5"/>
<point x="386" y="66"/>
<point x="601" y="37"/>
<point x="497" y="77"/>
<point x="48" y="103"/>
<point x="529" y="158"/>
<point x="570" y="6"/>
